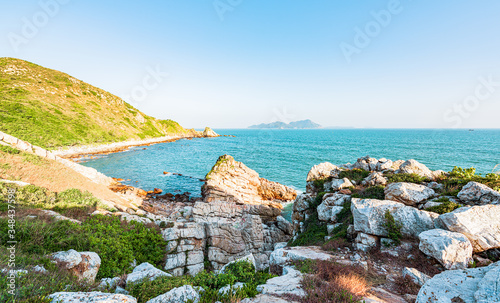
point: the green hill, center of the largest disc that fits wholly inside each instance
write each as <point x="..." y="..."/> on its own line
<point x="50" y="109"/>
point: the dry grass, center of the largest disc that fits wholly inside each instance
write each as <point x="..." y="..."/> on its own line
<point x="335" y="244"/>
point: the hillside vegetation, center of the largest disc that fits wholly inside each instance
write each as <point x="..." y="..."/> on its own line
<point x="50" y="109"/>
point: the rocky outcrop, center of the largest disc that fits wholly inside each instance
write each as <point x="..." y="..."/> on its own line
<point x="233" y="181"/>
<point x="369" y="217"/>
<point x="414" y="167"/>
<point x="375" y="178"/>
<point x="183" y="294"/>
<point x="415" y="275"/>
<point x="408" y="193"/>
<point x="332" y="205"/>
<point x="208" y="132"/>
<point x="480" y="224"/>
<point x="282" y="257"/>
<point x="452" y="250"/>
<point x="145" y="271"/>
<point x="84" y="265"/>
<point x="472" y="285"/>
<point x="321" y="171"/>
<point x="94" y="296"/>
<point x="475" y="193"/>
<point x="290" y="283"/>
<point x="338" y="184"/>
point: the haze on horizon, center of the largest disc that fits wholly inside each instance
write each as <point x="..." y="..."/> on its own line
<point x="236" y="63"/>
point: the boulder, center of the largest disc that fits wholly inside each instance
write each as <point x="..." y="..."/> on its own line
<point x="208" y="132"/>
<point x="338" y="184"/>
<point x="408" y="193"/>
<point x="475" y="193"/>
<point x="143" y="271"/>
<point x="84" y="265"/>
<point x="369" y="217"/>
<point x="320" y="171"/>
<point x="94" y="297"/>
<point x="290" y="283"/>
<point x="452" y="250"/>
<point x="470" y="285"/>
<point x="109" y="283"/>
<point x="331" y="206"/>
<point x="302" y="202"/>
<point x="284" y="256"/>
<point x="232" y="181"/>
<point x="414" y="167"/>
<point x="364" y="242"/>
<point x="415" y="275"/>
<point x="366" y="163"/>
<point x="480" y="224"/>
<point x="186" y="293"/>
<point x="375" y="178"/>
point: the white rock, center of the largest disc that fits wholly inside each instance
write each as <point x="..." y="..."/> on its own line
<point x="84" y="265"/>
<point x="40" y="269"/>
<point x="452" y="250"/>
<point x="320" y="171"/>
<point x="489" y="287"/>
<point x="289" y="283"/>
<point x="480" y="224"/>
<point x="364" y="242"/>
<point x="266" y="299"/>
<point x="327" y="211"/>
<point x="338" y="184"/>
<point x="145" y="270"/>
<point x="452" y="286"/>
<point x="181" y="294"/>
<point x="231" y="288"/>
<point x="408" y="193"/>
<point x="109" y="283"/>
<point x="375" y="178"/>
<point x="475" y="193"/>
<point x="415" y="275"/>
<point x="414" y="167"/>
<point x="94" y="297"/>
<point x="280" y="245"/>
<point x="302" y="202"/>
<point x="283" y="256"/>
<point x="120" y="290"/>
<point x="67" y="259"/>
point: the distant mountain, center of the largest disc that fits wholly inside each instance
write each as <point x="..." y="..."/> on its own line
<point x="282" y="125"/>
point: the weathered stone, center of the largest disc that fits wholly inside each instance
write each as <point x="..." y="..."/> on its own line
<point x="67" y="259"/>
<point x="302" y="202"/>
<point x="489" y="287"/>
<point x="287" y="284"/>
<point x="186" y="293"/>
<point x="175" y="260"/>
<point x="266" y="299"/>
<point x="320" y="171"/>
<point x="232" y="181"/>
<point x="284" y="256"/>
<point x="415" y="275"/>
<point x="455" y="286"/>
<point x="452" y="250"/>
<point x="375" y="178"/>
<point x="109" y="283"/>
<point x="143" y="271"/>
<point x="369" y="217"/>
<point x="408" y="193"/>
<point x="480" y="224"/>
<point x="327" y="211"/>
<point x="84" y="265"/>
<point x="414" y="167"/>
<point x="231" y="288"/>
<point x="94" y="297"/>
<point x="475" y="193"/>
<point x="338" y="184"/>
<point x="250" y="259"/>
<point x="364" y="242"/>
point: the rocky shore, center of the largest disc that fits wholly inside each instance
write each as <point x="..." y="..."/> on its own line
<point x="78" y="151"/>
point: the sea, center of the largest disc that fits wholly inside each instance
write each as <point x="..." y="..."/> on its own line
<point x="285" y="156"/>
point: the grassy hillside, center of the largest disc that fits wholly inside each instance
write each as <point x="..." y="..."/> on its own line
<point x="49" y="108"/>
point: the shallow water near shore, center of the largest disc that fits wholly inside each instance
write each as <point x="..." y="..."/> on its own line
<point x="286" y="156"/>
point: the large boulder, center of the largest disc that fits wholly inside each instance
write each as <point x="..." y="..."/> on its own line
<point x="94" y="297"/>
<point x="472" y="285"/>
<point x="415" y="275"/>
<point x="331" y="206"/>
<point x="452" y="250"/>
<point x="208" y="132"/>
<point x="233" y="181"/>
<point x="186" y="293"/>
<point x="338" y="184"/>
<point x="408" y="193"/>
<point x="84" y="265"/>
<point x="290" y="283"/>
<point x="143" y="271"/>
<point x="375" y="178"/>
<point x="284" y="256"/>
<point x="480" y="224"/>
<point x="369" y="217"/>
<point x="475" y="193"/>
<point x="414" y="167"/>
<point x="320" y="171"/>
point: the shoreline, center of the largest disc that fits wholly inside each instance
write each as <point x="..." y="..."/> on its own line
<point x="115" y="147"/>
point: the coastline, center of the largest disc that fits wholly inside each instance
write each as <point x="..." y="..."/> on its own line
<point x="108" y="148"/>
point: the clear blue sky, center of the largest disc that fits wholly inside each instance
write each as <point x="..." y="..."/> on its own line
<point x="426" y="63"/>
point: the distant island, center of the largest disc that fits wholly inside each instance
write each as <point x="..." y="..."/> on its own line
<point x="303" y="124"/>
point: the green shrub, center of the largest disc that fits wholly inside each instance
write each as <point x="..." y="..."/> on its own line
<point x="393" y="228"/>
<point x="9" y="150"/>
<point x="356" y="174"/>
<point x="461" y="173"/>
<point x="444" y="207"/>
<point x="459" y="177"/>
<point x="373" y="192"/>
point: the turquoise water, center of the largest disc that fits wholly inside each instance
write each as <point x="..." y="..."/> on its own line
<point x="286" y="156"/>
